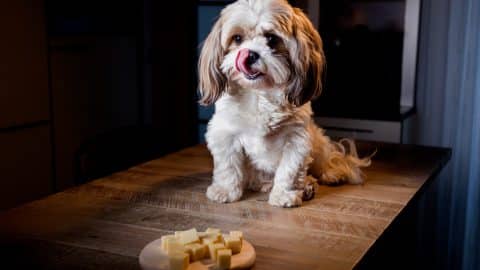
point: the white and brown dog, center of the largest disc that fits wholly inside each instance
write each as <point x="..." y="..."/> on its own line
<point x="261" y="65"/>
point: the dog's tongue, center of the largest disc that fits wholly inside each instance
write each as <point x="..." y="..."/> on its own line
<point x="241" y="63"/>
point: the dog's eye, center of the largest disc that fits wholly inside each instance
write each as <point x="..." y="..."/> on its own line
<point x="237" y="39"/>
<point x="272" y="40"/>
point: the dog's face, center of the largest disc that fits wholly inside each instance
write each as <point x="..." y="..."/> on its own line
<point x="263" y="45"/>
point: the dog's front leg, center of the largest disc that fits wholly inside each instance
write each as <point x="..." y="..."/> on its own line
<point x="228" y="173"/>
<point x="288" y="185"/>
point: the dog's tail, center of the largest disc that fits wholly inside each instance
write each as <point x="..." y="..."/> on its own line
<point x="336" y="162"/>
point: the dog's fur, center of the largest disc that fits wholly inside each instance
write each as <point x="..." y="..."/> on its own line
<point x="262" y="135"/>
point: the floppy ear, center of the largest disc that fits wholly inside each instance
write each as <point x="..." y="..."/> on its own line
<point x="307" y="60"/>
<point x="212" y="82"/>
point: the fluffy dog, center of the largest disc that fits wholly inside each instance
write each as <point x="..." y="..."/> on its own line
<point x="261" y="65"/>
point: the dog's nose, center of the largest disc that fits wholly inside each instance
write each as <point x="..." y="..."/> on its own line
<point x="252" y="57"/>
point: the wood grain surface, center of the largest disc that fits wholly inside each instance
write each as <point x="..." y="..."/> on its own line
<point x="106" y="223"/>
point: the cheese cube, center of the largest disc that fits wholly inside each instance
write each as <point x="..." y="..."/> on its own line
<point x="213" y="249"/>
<point x="202" y="234"/>
<point x="238" y="234"/>
<point x="213" y="230"/>
<point x="189" y="250"/>
<point x="178" y="261"/>
<point x="188" y="237"/>
<point x="212" y="238"/>
<point x="196" y="251"/>
<point x="224" y="258"/>
<point x="233" y="243"/>
<point x="173" y="246"/>
<point x="165" y="239"/>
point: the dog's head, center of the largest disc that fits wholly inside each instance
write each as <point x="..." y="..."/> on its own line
<point x="262" y="44"/>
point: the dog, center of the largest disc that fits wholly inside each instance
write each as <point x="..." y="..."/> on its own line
<point x="261" y="65"/>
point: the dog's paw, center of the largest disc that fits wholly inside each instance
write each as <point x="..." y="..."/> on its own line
<point x="308" y="192"/>
<point x="222" y="194"/>
<point x="308" y="185"/>
<point x="285" y="198"/>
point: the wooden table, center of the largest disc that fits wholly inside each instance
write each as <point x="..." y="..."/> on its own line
<point x="105" y="224"/>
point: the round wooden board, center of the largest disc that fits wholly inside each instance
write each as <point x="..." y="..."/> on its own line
<point x="152" y="257"/>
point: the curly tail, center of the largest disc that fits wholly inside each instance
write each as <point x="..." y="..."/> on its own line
<point x="336" y="162"/>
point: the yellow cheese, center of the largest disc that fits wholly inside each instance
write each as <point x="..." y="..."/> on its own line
<point x="213" y="230"/>
<point x="178" y="261"/>
<point x="165" y="240"/>
<point x="202" y="234"/>
<point x="188" y="237"/>
<point x="224" y="258"/>
<point x="213" y="249"/>
<point x="196" y="251"/>
<point x="238" y="234"/>
<point x="233" y="243"/>
<point x="189" y="250"/>
<point x="190" y="246"/>
<point x="173" y="246"/>
<point x="212" y="238"/>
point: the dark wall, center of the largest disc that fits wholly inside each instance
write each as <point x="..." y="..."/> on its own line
<point x="93" y="76"/>
<point x="123" y="83"/>
<point x="170" y="70"/>
<point x="88" y="88"/>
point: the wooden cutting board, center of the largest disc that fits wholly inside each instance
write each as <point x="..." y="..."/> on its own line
<point x="152" y="257"/>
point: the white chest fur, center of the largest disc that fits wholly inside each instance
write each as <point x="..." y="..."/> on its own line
<point x="260" y="123"/>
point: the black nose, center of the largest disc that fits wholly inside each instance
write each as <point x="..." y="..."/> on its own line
<point x="252" y="57"/>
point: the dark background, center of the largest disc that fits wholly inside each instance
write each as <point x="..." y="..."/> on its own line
<point x="88" y="88"/>
<point x="93" y="87"/>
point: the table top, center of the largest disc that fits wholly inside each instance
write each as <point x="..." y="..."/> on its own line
<point x="104" y="224"/>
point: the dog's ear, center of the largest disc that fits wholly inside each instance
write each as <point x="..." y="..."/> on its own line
<point x="212" y="82"/>
<point x="307" y="60"/>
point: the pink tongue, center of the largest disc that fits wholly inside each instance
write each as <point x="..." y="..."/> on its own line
<point x="241" y="63"/>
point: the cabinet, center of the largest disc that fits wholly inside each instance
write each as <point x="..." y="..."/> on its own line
<point x="25" y="149"/>
<point x="25" y="165"/>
